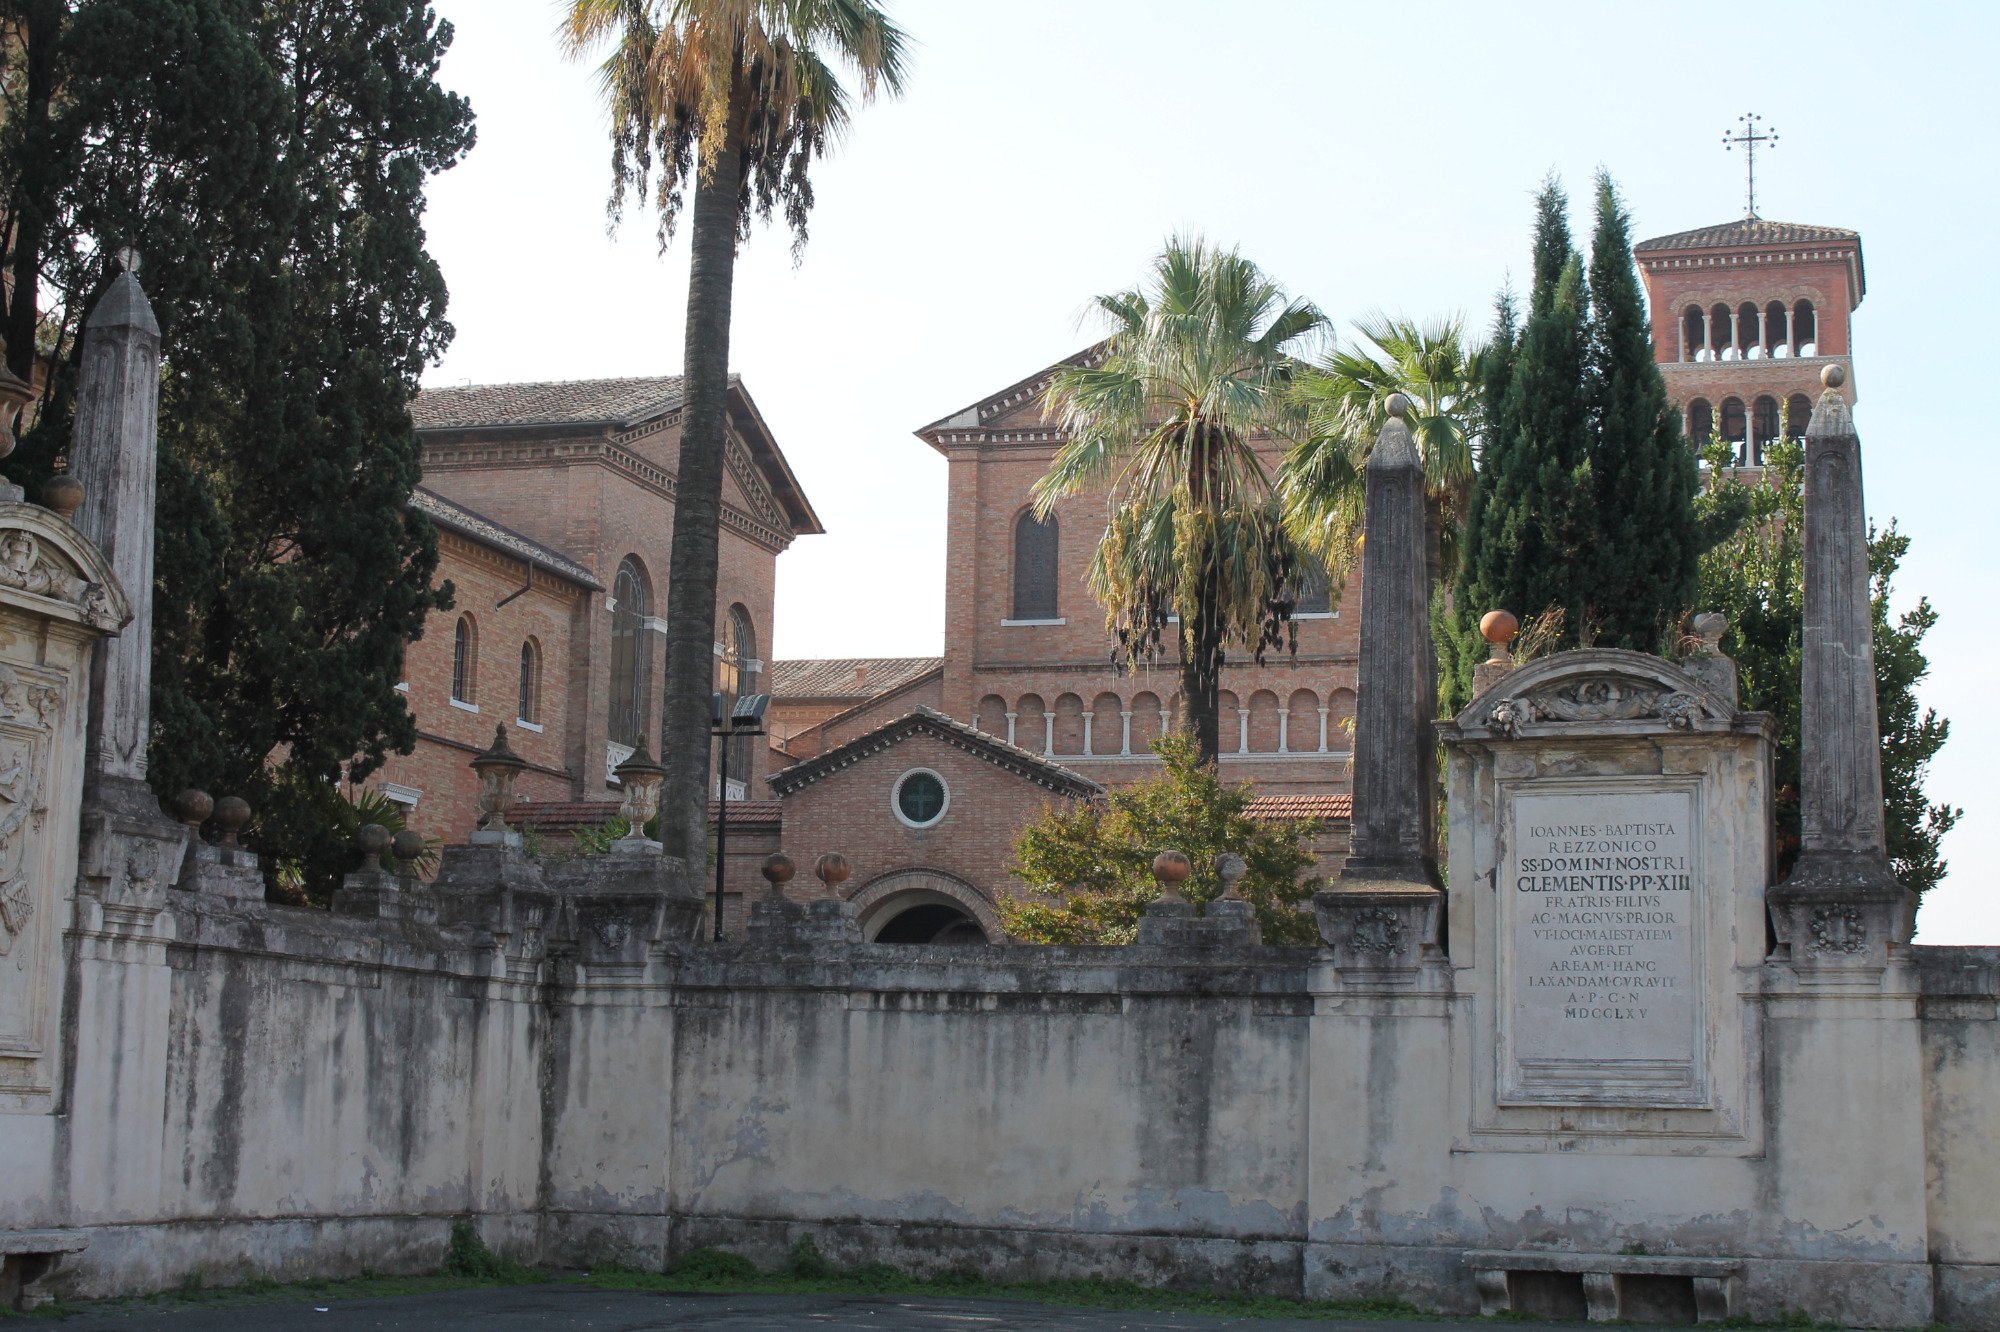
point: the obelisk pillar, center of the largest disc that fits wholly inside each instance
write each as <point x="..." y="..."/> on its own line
<point x="1391" y="869"/>
<point x="1842" y="905"/>
<point x="114" y="454"/>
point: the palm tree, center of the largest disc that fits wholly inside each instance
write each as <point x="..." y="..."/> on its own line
<point x="1169" y="416"/>
<point x="736" y="98"/>
<point x="1346" y="399"/>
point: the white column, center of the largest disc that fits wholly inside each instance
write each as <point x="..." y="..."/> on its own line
<point x="1284" y="730"/>
<point x="1791" y="336"/>
<point x="1087" y="717"/>
<point x="1322" y="730"/>
<point x="1736" y="330"/>
<point x="1165" y="725"/>
<point x="1708" y="334"/>
<point x="1048" y="733"/>
<point x="1010" y="726"/>
<point x="1125" y="732"/>
<point x="1681" y="325"/>
<point x="1242" y="730"/>
<point x="1763" y="325"/>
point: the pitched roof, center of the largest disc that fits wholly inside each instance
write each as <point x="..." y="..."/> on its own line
<point x="613" y="402"/>
<point x="979" y="413"/>
<point x="1747" y="231"/>
<point x="929" y="721"/>
<point x="457" y="518"/>
<point x="846" y="677"/>
<point x="1302" y="807"/>
<point x="586" y="406"/>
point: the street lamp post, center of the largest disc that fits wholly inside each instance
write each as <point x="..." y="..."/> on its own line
<point x="746" y="718"/>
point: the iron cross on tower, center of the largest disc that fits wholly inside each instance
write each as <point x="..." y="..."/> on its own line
<point x="1749" y="137"/>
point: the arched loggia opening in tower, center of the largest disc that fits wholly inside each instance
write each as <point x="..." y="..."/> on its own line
<point x="930" y="923"/>
<point x="1805" y="329"/>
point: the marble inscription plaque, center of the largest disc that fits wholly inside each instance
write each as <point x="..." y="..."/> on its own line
<point x="1601" y="966"/>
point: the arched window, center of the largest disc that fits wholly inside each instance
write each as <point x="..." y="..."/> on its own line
<point x="530" y="707"/>
<point x="631" y="651"/>
<point x="1723" y="327"/>
<point x="1798" y="412"/>
<point x="1701" y="422"/>
<point x="1735" y="425"/>
<point x="1764" y="433"/>
<point x="1694" y="340"/>
<point x="1774" y="330"/>
<point x="465" y="661"/>
<point x="1747" y="336"/>
<point x="736" y="668"/>
<point x="1805" y="329"/>
<point x="1315" y="589"/>
<point x="1035" y="547"/>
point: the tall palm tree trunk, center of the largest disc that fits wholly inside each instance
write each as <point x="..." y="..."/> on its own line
<point x="1201" y="679"/>
<point x="684" y="742"/>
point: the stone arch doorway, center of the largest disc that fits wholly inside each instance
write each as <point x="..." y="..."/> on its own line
<point x="925" y="906"/>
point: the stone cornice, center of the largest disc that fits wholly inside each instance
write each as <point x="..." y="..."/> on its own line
<point x="602" y="451"/>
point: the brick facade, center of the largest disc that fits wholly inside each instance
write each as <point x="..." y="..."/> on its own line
<point x="573" y="479"/>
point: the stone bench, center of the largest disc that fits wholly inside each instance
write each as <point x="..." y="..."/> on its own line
<point x="1632" y="1286"/>
<point x="28" y="1256"/>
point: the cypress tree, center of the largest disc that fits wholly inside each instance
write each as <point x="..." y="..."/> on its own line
<point x="1642" y="574"/>
<point x="268" y="159"/>
<point x="1530" y="523"/>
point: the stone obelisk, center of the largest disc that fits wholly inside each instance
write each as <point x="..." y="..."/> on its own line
<point x="131" y="850"/>
<point x="115" y="454"/>
<point x="1392" y="858"/>
<point x="1842" y="902"/>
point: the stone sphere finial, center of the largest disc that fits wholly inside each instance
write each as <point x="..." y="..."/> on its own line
<point x="1399" y="405"/>
<point x="832" y="870"/>
<point x="407" y="846"/>
<point x="1499" y="626"/>
<point x="1833" y="376"/>
<point x="777" y="870"/>
<point x="63" y="495"/>
<point x="194" y="805"/>
<point x="1170" y="870"/>
<point x="232" y="812"/>
<point x="373" y="839"/>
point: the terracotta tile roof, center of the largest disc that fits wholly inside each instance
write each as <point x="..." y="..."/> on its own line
<point x="929" y="721"/>
<point x="563" y="817"/>
<point x="1747" y="231"/>
<point x="1302" y="807"/>
<point x="457" y="518"/>
<point x="616" y="402"/>
<point x="847" y="677"/>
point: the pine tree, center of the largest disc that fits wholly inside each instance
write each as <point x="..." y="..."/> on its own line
<point x="268" y="158"/>
<point x="1641" y="578"/>
<point x="1531" y="522"/>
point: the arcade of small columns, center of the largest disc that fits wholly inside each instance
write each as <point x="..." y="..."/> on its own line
<point x="1800" y="337"/>
<point x="1113" y="726"/>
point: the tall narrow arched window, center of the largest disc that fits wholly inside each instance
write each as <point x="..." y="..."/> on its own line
<point x="1315" y="589"/>
<point x="529" y="708"/>
<point x="1764" y="429"/>
<point x="1701" y="422"/>
<point x="1036" y="543"/>
<point x="1798" y="412"/>
<point x="631" y="651"/>
<point x="736" y="672"/>
<point x="1694" y="339"/>
<point x="1805" y="329"/>
<point x="1735" y="425"/>
<point x="465" y="661"/>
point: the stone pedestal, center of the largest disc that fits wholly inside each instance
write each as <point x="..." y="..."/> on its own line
<point x="231" y="873"/>
<point x="1174" y="923"/>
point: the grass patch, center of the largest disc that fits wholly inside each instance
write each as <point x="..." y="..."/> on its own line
<point x="808" y="1272"/>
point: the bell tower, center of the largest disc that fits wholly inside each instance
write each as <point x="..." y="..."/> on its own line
<point x="1745" y="316"/>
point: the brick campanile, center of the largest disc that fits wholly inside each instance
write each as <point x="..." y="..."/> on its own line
<point x="1745" y="317"/>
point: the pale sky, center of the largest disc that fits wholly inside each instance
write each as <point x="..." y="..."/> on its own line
<point x="1367" y="155"/>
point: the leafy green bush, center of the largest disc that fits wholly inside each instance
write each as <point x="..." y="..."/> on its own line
<point x="715" y="1266"/>
<point x="808" y="1263"/>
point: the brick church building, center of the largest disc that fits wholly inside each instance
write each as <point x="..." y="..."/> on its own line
<point x="554" y="506"/>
